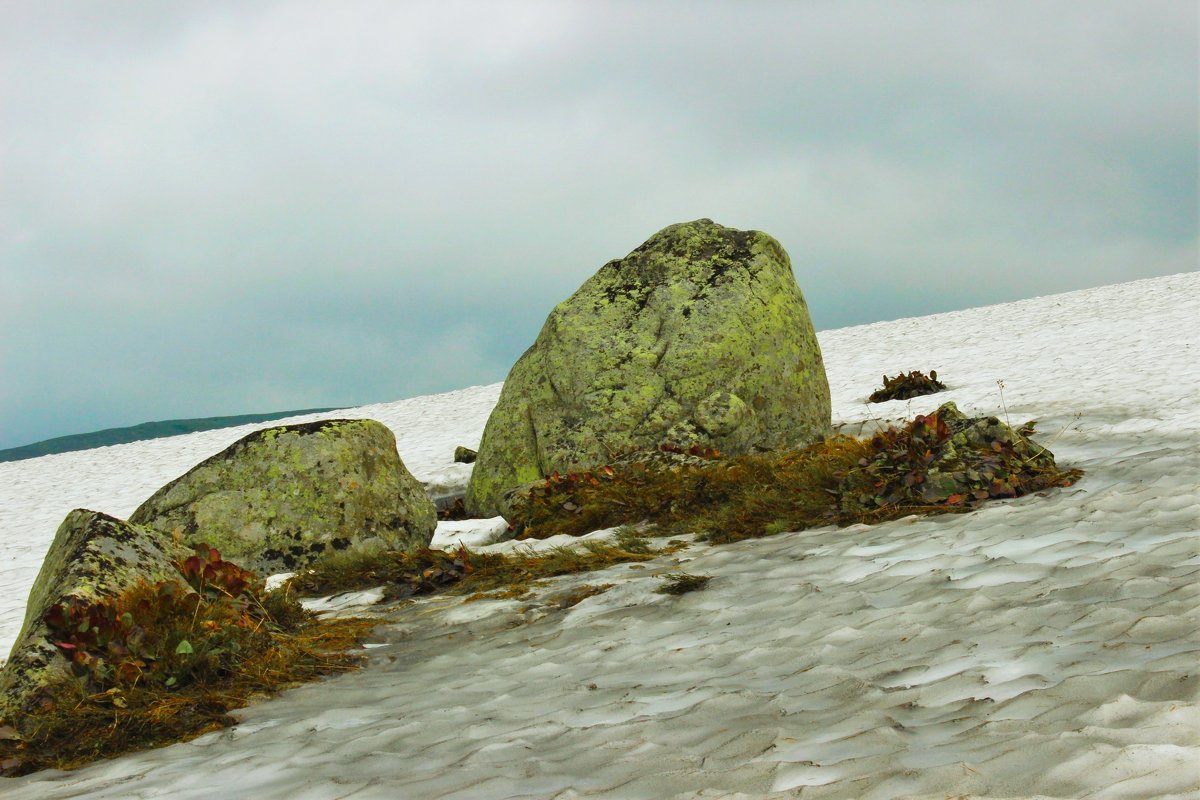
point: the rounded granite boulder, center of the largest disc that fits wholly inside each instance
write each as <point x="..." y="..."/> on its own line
<point x="699" y="336"/>
<point x="280" y="498"/>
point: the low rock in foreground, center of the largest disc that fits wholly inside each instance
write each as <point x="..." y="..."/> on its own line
<point x="93" y="556"/>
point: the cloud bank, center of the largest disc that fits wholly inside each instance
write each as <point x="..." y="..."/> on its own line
<point x="220" y="208"/>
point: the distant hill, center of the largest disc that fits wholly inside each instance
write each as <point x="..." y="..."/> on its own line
<point x="137" y="433"/>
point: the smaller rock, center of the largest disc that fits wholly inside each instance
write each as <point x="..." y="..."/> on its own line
<point x="464" y="455"/>
<point x="282" y="497"/>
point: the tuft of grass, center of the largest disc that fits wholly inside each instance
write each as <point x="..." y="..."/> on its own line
<point x="526" y="570"/>
<point x="634" y="488"/>
<point x="521" y="592"/>
<point x="742" y="494"/>
<point x="404" y="573"/>
<point x="682" y="583"/>
<point x="166" y="662"/>
<point x="632" y="541"/>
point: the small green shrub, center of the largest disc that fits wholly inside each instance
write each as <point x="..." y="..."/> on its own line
<point x="166" y="634"/>
<point x="946" y="460"/>
<point x="581" y="593"/>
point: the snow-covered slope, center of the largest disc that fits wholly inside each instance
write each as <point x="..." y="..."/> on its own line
<point x="1047" y="646"/>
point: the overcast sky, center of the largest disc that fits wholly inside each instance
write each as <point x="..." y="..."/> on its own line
<point x="213" y="208"/>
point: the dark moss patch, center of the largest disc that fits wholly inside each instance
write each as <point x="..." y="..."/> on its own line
<point x="682" y="583"/>
<point x="454" y="510"/>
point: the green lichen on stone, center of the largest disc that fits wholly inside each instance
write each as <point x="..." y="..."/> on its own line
<point x="93" y="555"/>
<point x="282" y="497"/>
<point x="699" y="336"/>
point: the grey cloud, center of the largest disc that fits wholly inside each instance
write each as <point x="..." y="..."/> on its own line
<point x="217" y="207"/>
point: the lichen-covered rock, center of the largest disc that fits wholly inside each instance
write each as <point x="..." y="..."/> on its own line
<point x="280" y="498"/>
<point x="699" y="336"/>
<point x="93" y="556"/>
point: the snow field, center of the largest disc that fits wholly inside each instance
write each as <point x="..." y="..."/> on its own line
<point x="1040" y="647"/>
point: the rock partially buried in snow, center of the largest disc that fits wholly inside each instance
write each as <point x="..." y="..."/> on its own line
<point x="699" y="336"/>
<point x="93" y="556"/>
<point x="282" y="497"/>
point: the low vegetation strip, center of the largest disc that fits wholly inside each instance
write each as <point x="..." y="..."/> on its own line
<point x="941" y="463"/>
<point x="426" y="571"/>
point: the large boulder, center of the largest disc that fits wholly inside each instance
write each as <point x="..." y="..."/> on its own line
<point x="280" y="498"/>
<point x="698" y="337"/>
<point x="93" y="556"/>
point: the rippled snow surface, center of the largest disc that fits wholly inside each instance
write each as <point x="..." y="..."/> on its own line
<point x="1042" y="647"/>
